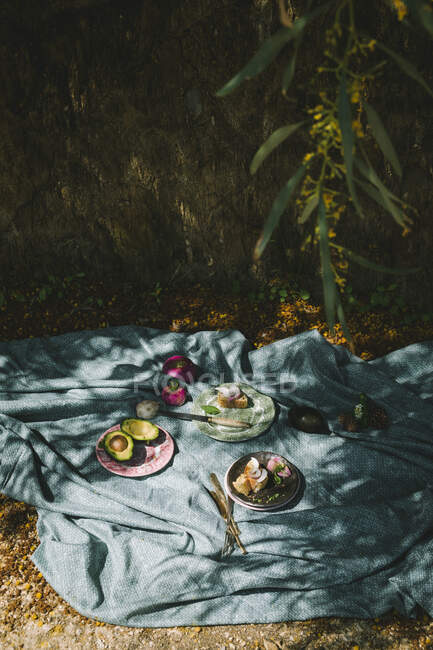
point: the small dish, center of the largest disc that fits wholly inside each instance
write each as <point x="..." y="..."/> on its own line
<point x="286" y="493"/>
<point x="308" y="419"/>
<point x="147" y="458"/>
<point x="258" y="416"/>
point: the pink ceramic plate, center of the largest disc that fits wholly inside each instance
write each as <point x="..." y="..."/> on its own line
<point x="146" y="458"/>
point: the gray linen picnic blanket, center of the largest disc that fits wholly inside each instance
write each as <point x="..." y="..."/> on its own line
<point x="146" y="551"/>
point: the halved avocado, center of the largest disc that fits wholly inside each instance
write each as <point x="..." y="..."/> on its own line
<point x="139" y="429"/>
<point x="119" y="445"/>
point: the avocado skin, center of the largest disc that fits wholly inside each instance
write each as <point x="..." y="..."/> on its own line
<point x="126" y="454"/>
<point x="307" y="419"/>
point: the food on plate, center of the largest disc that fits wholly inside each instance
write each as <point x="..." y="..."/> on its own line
<point x="278" y="469"/>
<point x="174" y="394"/>
<point x="139" y="429"/>
<point x="230" y="396"/>
<point x="253" y="478"/>
<point x="119" y="445"/>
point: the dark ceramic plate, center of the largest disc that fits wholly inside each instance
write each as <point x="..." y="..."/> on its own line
<point x="272" y="496"/>
<point x="307" y="419"/>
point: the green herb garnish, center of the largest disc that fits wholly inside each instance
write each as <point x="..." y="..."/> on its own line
<point x="210" y="410"/>
<point x="278" y="480"/>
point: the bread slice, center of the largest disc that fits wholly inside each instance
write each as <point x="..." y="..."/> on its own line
<point x="245" y="484"/>
<point x="240" y="402"/>
<point x="242" y="485"/>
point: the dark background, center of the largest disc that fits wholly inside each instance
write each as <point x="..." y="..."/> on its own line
<point x="117" y="159"/>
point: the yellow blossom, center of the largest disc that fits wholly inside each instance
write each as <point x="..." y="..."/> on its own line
<point x="357" y="127"/>
<point x="355" y="97"/>
<point x="371" y="45"/>
<point x="401" y="8"/>
<point x="308" y="157"/>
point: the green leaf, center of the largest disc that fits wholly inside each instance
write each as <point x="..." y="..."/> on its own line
<point x="99" y="302"/>
<point x="382" y="138"/>
<point x="210" y="410"/>
<point x="304" y="295"/>
<point x="269" y="50"/>
<point x="271" y="143"/>
<point x="348" y="141"/>
<point x="278" y="207"/>
<point x="375" y="194"/>
<point x="42" y="294"/>
<point x="289" y="73"/>
<point x="369" y="173"/>
<point x="329" y="288"/>
<point x="407" y="67"/>
<point x="362" y="261"/>
<point x="310" y="206"/>
<point x="423" y="11"/>
<point x="266" y="54"/>
<point x="425" y="14"/>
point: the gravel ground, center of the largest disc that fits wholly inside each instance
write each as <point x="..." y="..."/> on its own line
<point x="33" y="616"/>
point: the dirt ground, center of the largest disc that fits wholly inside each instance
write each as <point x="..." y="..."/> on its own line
<point x="32" y="615"/>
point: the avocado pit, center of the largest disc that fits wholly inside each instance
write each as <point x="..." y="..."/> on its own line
<point x="118" y="443"/>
